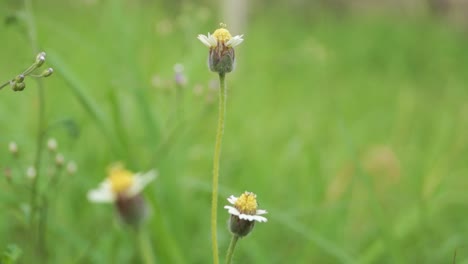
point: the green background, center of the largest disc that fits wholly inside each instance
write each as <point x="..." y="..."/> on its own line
<point x="349" y="125"/>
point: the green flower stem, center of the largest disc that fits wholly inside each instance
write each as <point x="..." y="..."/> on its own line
<point x="5" y="84"/>
<point x="231" y="248"/>
<point x="217" y="155"/>
<point x="32" y="35"/>
<point x="145" y="247"/>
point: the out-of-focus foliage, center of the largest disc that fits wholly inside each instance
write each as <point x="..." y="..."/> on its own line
<point x="348" y="122"/>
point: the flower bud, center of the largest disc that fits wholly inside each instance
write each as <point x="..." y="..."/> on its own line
<point x="132" y="210"/>
<point x="71" y="167"/>
<point x="59" y="160"/>
<point x="48" y="72"/>
<point x="221" y="59"/>
<point x="240" y="227"/>
<point x="19" y="78"/>
<point x="52" y="144"/>
<point x="40" y="59"/>
<point x="179" y="75"/>
<point x="19" y="86"/>
<point x="13" y="147"/>
<point x="31" y="172"/>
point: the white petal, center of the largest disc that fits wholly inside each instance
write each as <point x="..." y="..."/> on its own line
<point x="252" y="218"/>
<point x="232" y="199"/>
<point x="103" y="194"/>
<point x="260" y="212"/>
<point x="204" y="40"/>
<point x="260" y="218"/>
<point x="140" y="182"/>
<point x="246" y="217"/>
<point x="212" y="40"/>
<point x="232" y="210"/>
<point x="236" y="40"/>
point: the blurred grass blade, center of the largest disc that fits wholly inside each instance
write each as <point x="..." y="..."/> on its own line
<point x="319" y="241"/>
<point x="76" y="87"/>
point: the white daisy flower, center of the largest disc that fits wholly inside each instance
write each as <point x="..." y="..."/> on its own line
<point x="245" y="207"/>
<point x="221" y="37"/>
<point x="221" y="57"/>
<point x="121" y="184"/>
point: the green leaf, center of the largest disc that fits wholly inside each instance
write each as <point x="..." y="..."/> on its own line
<point x="11" y="254"/>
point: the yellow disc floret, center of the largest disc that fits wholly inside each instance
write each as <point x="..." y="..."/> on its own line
<point x="120" y="179"/>
<point x="247" y="203"/>
<point x="222" y="34"/>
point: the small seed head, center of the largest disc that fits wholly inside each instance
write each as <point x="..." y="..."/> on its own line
<point x="13" y="147"/>
<point x="31" y="172"/>
<point x="59" y="160"/>
<point x="17" y="87"/>
<point x="52" y="144"/>
<point x="71" y="167"/>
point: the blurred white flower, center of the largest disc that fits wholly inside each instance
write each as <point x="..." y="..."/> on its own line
<point x="71" y="167"/>
<point x="59" y="159"/>
<point x="120" y="183"/>
<point x="31" y="172"/>
<point x="13" y="147"/>
<point x="52" y="144"/>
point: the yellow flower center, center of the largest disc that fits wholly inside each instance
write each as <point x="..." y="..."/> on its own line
<point x="120" y="179"/>
<point x="222" y="34"/>
<point x="247" y="203"/>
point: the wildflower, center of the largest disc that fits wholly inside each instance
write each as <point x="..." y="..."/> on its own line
<point x="124" y="188"/>
<point x="52" y="144"/>
<point x="221" y="56"/>
<point x="59" y="160"/>
<point x="244" y="213"/>
<point x="13" y="147"/>
<point x="71" y="167"/>
<point x="179" y="76"/>
<point x="31" y="172"/>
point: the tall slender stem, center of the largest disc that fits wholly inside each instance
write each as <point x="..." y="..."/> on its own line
<point x="145" y="247"/>
<point x="231" y="248"/>
<point x="217" y="155"/>
<point x="32" y="35"/>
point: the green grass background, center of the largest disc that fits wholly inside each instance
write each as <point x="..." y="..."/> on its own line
<point x="351" y="130"/>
